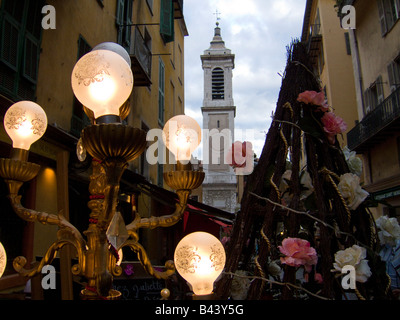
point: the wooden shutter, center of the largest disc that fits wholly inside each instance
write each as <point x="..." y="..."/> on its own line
<point x="167" y="20"/>
<point x="10" y="45"/>
<point x="31" y="58"/>
<point x="382" y="18"/>
<point x="119" y="20"/>
<point x="398" y="8"/>
<point x="379" y="90"/>
<point x="392" y="76"/>
<point x="367" y="101"/>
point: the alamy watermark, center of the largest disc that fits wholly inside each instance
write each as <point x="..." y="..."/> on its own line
<point x="349" y="277"/>
<point x="348" y="21"/>
<point x="49" y="20"/>
<point x="49" y="278"/>
<point x="217" y="147"/>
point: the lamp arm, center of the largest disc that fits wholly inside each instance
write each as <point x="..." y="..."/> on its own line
<point x="166" y="220"/>
<point x="20" y="262"/>
<point x="44" y="218"/>
<point x="67" y="234"/>
<point x="145" y="261"/>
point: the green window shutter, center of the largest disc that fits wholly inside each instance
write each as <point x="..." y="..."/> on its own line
<point x="119" y="21"/>
<point x="382" y="17"/>
<point x="161" y="92"/>
<point x="31" y="58"/>
<point x="167" y="20"/>
<point x="10" y="46"/>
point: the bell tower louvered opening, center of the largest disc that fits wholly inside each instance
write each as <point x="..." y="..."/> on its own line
<point x="218" y="85"/>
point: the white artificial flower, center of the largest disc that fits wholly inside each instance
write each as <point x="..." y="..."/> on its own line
<point x="353" y="256"/>
<point x="349" y="187"/>
<point x="305" y="181"/>
<point x="389" y="230"/>
<point x="354" y="162"/>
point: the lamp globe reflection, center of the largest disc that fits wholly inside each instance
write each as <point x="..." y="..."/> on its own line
<point x="200" y="258"/>
<point x="25" y="122"/>
<point x="182" y="135"/>
<point x="102" y="81"/>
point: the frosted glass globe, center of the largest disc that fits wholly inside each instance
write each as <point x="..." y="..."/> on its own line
<point x="115" y="47"/>
<point x="182" y="135"/>
<point x="25" y="122"/>
<point x="3" y="259"/>
<point x="102" y="81"/>
<point x="200" y="258"/>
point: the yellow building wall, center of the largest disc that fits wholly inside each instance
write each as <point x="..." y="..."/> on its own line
<point x="337" y="74"/>
<point x="381" y="162"/>
<point x="376" y="52"/>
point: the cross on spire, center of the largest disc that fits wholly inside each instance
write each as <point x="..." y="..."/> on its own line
<point x="217" y="14"/>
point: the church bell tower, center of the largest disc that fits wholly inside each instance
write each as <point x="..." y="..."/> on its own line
<point x="220" y="183"/>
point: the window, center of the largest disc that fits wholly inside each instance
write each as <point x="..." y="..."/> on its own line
<point x="394" y="74"/>
<point x="217" y="79"/>
<point x="389" y="13"/>
<point x="167" y="20"/>
<point x="79" y="118"/>
<point x="124" y="23"/>
<point x="161" y="91"/>
<point x="373" y="96"/>
<point x="20" y="39"/>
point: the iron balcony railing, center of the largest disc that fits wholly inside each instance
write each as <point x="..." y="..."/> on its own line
<point x="374" y="122"/>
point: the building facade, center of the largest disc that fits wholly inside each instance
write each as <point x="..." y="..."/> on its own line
<point x="36" y="64"/>
<point x="375" y="46"/>
<point x="219" y="188"/>
<point x="330" y="52"/>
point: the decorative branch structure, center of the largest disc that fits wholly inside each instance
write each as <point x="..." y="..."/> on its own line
<point x="299" y="145"/>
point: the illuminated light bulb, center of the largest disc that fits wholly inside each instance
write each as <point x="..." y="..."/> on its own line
<point x="115" y="47"/>
<point x="182" y="135"/>
<point x="3" y="259"/>
<point x="200" y="258"/>
<point x="25" y="122"/>
<point x="102" y="81"/>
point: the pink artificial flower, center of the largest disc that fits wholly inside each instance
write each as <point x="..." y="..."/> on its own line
<point x="317" y="278"/>
<point x="298" y="253"/>
<point x="333" y="125"/>
<point x="315" y="98"/>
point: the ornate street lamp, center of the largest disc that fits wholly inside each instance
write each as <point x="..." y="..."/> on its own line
<point x="200" y="258"/>
<point x="102" y="81"/>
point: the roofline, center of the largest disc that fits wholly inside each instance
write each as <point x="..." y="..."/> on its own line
<point x="306" y="20"/>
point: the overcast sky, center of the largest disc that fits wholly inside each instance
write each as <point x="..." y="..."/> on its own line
<point x="257" y="32"/>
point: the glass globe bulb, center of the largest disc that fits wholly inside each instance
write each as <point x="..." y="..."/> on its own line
<point x="102" y="80"/>
<point x="182" y="135"/>
<point x="25" y="122"/>
<point x="3" y="259"/>
<point x="200" y="258"/>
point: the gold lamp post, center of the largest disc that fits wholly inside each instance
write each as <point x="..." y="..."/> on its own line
<point x="102" y="81"/>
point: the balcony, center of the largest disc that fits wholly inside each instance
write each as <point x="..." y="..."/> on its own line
<point x="377" y="125"/>
<point x="141" y="59"/>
